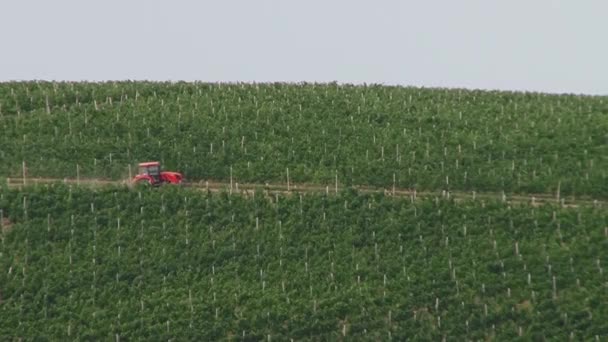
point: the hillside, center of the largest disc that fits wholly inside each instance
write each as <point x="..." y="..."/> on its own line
<point x="310" y="212"/>
<point x="180" y="264"/>
<point x="428" y="139"/>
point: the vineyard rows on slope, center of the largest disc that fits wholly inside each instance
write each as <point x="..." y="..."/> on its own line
<point x="328" y="212"/>
<point x="180" y="264"/>
<point x="428" y="139"/>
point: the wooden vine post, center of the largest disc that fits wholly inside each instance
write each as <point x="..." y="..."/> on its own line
<point x="23" y="169"/>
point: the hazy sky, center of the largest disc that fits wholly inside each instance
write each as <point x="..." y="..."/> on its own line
<point x="544" y="45"/>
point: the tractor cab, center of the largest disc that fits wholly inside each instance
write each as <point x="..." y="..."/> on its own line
<point x="151" y="169"/>
<point x="150" y="173"/>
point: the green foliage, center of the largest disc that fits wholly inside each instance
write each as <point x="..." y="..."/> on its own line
<point x="171" y="263"/>
<point x="431" y="139"/>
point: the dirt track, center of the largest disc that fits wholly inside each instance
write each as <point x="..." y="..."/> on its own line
<point x="272" y="188"/>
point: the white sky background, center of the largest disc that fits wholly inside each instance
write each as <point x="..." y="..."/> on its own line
<point x="541" y="45"/>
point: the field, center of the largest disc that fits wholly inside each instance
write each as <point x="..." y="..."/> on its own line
<point x="363" y="213"/>
<point x="179" y="264"/>
<point x="428" y="139"/>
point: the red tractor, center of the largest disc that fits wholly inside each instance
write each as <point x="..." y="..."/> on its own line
<point x="150" y="174"/>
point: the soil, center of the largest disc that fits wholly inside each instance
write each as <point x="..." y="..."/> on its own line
<point x="524" y="306"/>
<point x="248" y="189"/>
<point x="6" y="225"/>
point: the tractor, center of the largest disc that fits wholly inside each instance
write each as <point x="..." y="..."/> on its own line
<point x="150" y="174"/>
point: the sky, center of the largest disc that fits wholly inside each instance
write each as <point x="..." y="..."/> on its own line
<point x="530" y="45"/>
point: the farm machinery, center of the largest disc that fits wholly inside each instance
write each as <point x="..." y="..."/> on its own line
<point x="150" y="173"/>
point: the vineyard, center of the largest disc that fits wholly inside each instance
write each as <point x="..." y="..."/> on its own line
<point x="309" y="212"/>
<point x="428" y="139"/>
<point x="181" y="264"/>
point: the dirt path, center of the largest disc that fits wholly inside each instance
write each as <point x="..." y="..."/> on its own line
<point x="272" y="188"/>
